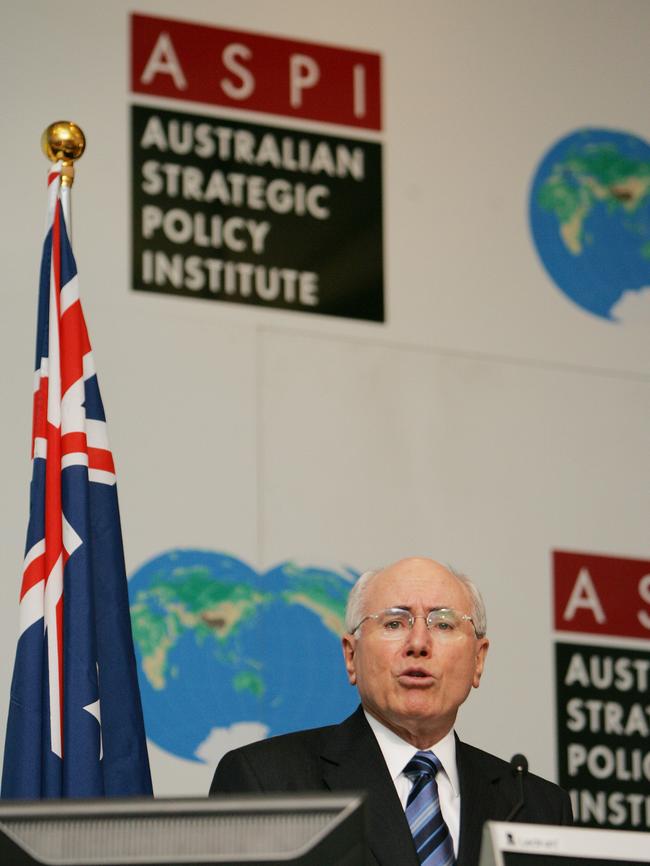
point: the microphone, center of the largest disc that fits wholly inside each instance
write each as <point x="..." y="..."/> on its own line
<point x="519" y="767"/>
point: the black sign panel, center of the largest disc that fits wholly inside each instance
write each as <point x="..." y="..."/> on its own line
<point x="252" y="214"/>
<point x="603" y="700"/>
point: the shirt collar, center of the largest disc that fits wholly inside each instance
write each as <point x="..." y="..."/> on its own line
<point x="397" y="752"/>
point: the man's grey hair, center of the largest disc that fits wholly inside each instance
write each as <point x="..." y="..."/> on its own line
<point x="355" y="610"/>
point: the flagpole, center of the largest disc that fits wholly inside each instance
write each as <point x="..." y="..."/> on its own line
<point x="64" y="140"/>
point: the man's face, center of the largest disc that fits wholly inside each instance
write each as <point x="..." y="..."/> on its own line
<point x="416" y="684"/>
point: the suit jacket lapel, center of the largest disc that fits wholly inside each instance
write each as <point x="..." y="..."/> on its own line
<point x="484" y="796"/>
<point x="352" y="760"/>
<point x="475" y="795"/>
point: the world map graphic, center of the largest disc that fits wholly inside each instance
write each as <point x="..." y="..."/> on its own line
<point x="590" y="221"/>
<point x="227" y="655"/>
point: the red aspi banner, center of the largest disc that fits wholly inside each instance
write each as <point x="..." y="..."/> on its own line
<point x="601" y="594"/>
<point x="195" y="62"/>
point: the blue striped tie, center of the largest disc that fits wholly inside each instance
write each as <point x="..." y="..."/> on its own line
<point x="430" y="833"/>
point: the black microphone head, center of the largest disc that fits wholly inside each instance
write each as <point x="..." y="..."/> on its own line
<point x="519" y="764"/>
<point x="519" y="767"/>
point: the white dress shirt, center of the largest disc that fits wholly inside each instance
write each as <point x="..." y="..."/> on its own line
<point x="397" y="753"/>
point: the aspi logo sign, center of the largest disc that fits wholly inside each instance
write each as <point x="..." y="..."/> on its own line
<point x="590" y="221"/>
<point x="233" y="210"/>
<point x="603" y="686"/>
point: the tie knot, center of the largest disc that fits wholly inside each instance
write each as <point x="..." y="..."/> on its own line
<point x="422" y="764"/>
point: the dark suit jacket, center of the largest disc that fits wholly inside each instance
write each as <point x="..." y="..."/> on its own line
<point x="347" y="757"/>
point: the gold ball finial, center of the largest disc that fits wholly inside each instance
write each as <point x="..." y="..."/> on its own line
<point x="63" y="140"/>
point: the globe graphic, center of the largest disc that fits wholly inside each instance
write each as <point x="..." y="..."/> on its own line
<point x="227" y="655"/>
<point x="590" y="221"/>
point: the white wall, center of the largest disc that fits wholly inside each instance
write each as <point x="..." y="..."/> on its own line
<point x="487" y="422"/>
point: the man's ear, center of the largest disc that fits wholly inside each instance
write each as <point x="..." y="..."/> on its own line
<point x="482" y="646"/>
<point x="349" y="646"/>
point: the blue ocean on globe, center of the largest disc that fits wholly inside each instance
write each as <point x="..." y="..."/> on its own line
<point x="227" y="655"/>
<point x="590" y="221"/>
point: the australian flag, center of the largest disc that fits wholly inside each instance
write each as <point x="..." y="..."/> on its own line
<point x="75" y="725"/>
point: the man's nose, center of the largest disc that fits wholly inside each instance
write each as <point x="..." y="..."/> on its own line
<point x="419" y="641"/>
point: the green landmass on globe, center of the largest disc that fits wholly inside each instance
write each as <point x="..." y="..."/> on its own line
<point x="312" y="592"/>
<point x="596" y="174"/>
<point x="192" y="600"/>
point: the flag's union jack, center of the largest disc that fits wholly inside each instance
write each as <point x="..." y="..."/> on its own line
<point x="75" y="725"/>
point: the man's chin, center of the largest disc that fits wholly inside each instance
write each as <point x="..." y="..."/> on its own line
<point x="416" y="709"/>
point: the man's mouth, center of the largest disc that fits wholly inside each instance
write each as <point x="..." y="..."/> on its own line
<point x="416" y="676"/>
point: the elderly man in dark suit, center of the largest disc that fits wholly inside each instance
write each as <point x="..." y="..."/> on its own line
<point x="415" y="646"/>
